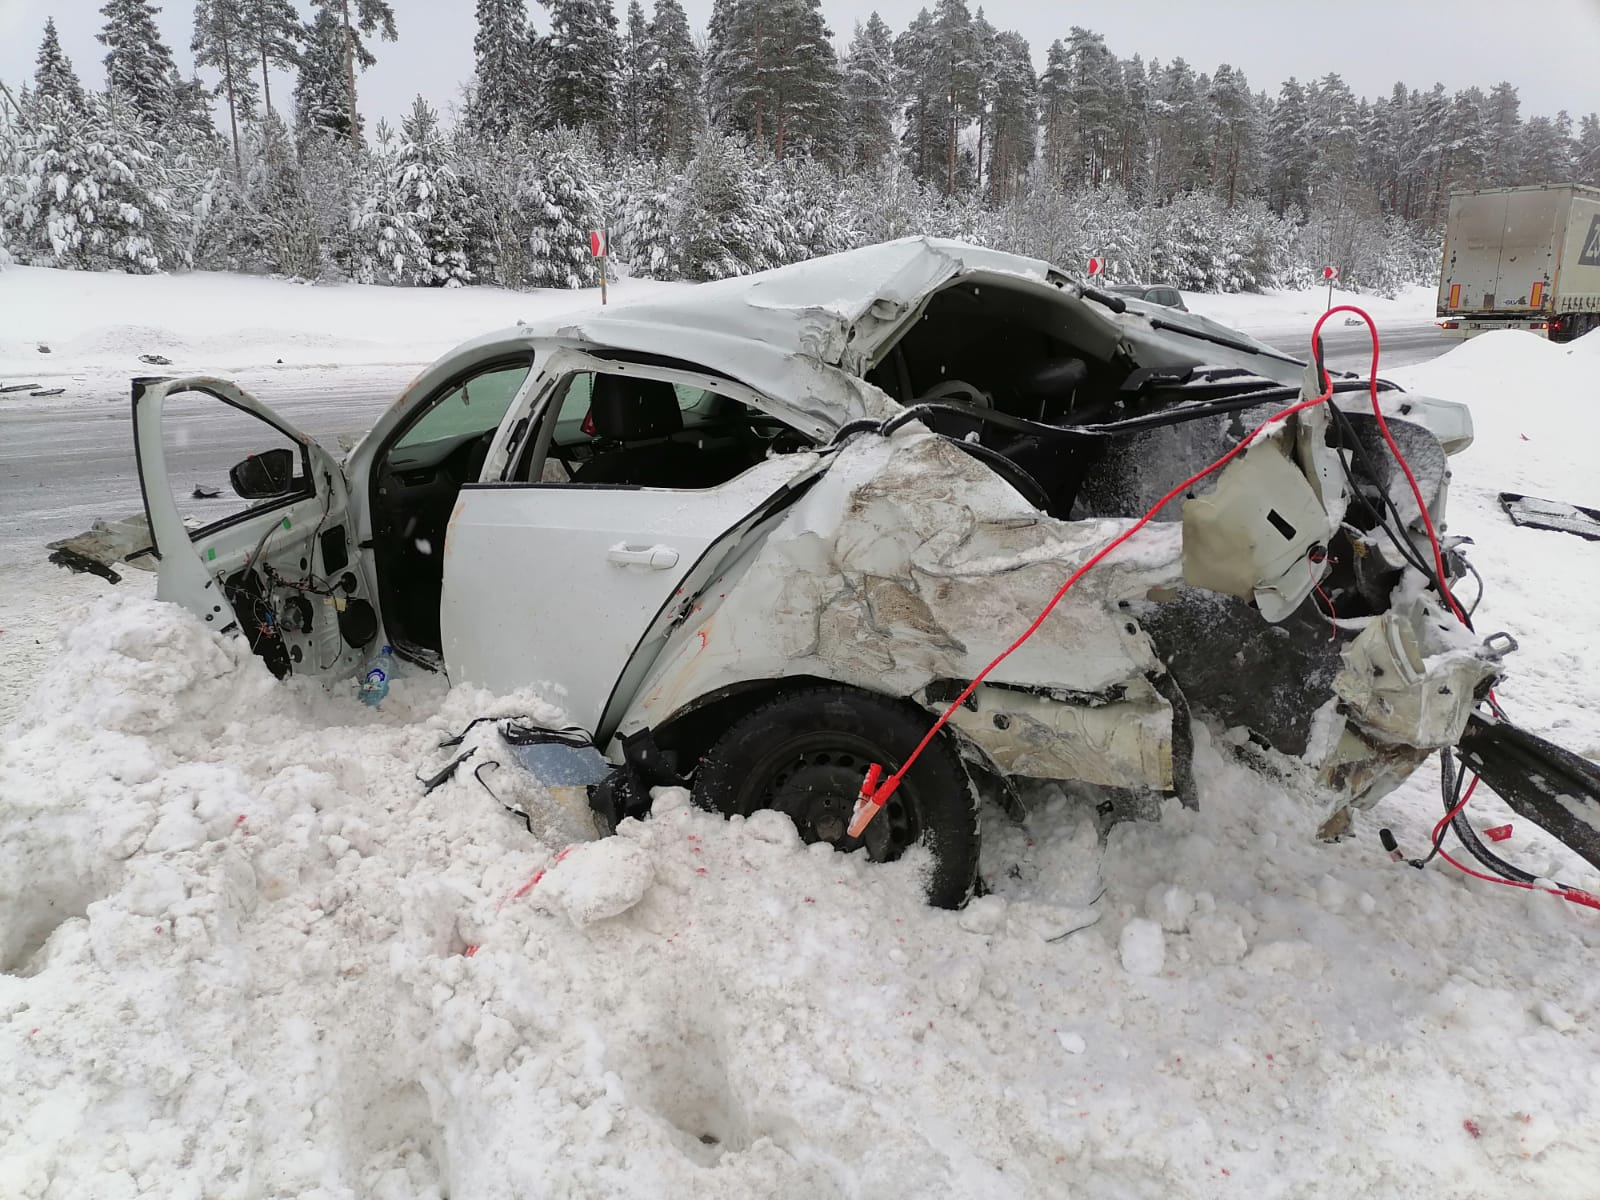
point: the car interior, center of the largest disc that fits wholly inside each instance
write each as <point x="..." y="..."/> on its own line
<point x="415" y="480"/>
<point x="986" y="346"/>
<point x="611" y="430"/>
<point x="625" y="430"/>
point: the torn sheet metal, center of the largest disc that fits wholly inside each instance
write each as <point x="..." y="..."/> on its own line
<point x="105" y="545"/>
<point x="909" y="562"/>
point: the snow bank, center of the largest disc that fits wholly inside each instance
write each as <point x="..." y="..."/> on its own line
<point x="101" y="323"/>
<point x="242" y="955"/>
<point x="1536" y="411"/>
<point x="245" y="956"/>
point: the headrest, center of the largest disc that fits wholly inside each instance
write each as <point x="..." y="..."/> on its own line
<point x="629" y="409"/>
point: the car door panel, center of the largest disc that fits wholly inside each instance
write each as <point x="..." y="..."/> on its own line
<point x="264" y="570"/>
<point x="554" y="585"/>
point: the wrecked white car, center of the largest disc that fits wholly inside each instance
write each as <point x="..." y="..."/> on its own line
<point x="757" y="536"/>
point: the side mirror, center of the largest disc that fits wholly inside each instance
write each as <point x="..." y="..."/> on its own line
<point x="264" y="476"/>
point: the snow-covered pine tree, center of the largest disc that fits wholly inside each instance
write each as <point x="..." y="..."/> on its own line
<point x="139" y="66"/>
<point x="781" y="77"/>
<point x="85" y="189"/>
<point x="721" y="224"/>
<point x="357" y="20"/>
<point x="579" y="59"/>
<point x="425" y="174"/>
<point x="674" y="113"/>
<point x="222" y="41"/>
<point x="321" y="100"/>
<point x="1056" y="115"/>
<point x="719" y="65"/>
<point x="1133" y="130"/>
<point x="1502" y="137"/>
<point x="958" y="66"/>
<point x="559" y="202"/>
<point x="387" y="242"/>
<point x="869" y="95"/>
<point x="641" y="229"/>
<point x="1586" y="155"/>
<point x="1546" y="150"/>
<point x="1013" y="117"/>
<point x="1289" y="152"/>
<point x="273" y="30"/>
<point x="53" y="77"/>
<point x="503" y="83"/>
<point x="633" y="81"/>
<point x="1234" y="141"/>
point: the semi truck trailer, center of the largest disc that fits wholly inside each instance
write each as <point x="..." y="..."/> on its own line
<point x="1522" y="258"/>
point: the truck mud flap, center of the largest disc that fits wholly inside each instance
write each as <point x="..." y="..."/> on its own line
<point x="1557" y="790"/>
<point x="1552" y="514"/>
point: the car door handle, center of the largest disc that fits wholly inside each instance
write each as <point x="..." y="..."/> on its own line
<point x="657" y="558"/>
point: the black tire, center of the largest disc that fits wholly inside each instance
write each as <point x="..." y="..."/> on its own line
<point x="806" y="754"/>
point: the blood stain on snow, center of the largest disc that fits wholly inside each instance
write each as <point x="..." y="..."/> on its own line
<point x="1471" y="1127"/>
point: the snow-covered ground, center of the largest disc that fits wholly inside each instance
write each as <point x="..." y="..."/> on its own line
<point x="234" y="935"/>
<point x="96" y="325"/>
<point x="1274" y="314"/>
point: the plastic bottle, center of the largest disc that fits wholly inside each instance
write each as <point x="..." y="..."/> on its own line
<point x="375" y="680"/>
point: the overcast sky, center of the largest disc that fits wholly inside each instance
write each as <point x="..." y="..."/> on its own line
<point x="1550" y="50"/>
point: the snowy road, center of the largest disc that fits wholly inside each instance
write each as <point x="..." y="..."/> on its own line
<point x="60" y="468"/>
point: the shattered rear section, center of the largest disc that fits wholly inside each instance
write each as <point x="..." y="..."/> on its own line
<point x="909" y="567"/>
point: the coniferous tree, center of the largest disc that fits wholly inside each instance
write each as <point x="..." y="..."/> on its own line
<point x="779" y="76"/>
<point x="87" y="190"/>
<point x="1502" y="136"/>
<point x="222" y="41"/>
<point x="321" y="97"/>
<point x="958" y="68"/>
<point x="139" y="66"/>
<point x="924" y="86"/>
<point x="721" y="224"/>
<point x="1289" y="152"/>
<point x="274" y="31"/>
<point x="1586" y="153"/>
<point x="633" y="81"/>
<point x="869" y="94"/>
<point x="579" y="60"/>
<point x="673" y="110"/>
<point x="53" y="76"/>
<point x="502" y="98"/>
<point x="1013" y="117"/>
<point x="1133" y="130"/>
<point x="1056" y="114"/>
<point x="1234" y="142"/>
<point x="1546" y="149"/>
<point x="357" y="21"/>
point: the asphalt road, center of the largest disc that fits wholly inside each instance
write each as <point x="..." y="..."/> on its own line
<point x="61" y="468"/>
<point x="1350" y="349"/>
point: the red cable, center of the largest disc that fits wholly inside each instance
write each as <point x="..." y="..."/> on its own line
<point x="873" y="799"/>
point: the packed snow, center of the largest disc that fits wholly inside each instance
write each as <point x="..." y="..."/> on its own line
<point x="244" y="955"/>
<point x="55" y="327"/>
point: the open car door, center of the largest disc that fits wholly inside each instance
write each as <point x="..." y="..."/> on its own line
<point x="270" y="552"/>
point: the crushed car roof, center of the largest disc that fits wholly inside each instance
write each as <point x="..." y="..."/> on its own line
<point x="783" y="332"/>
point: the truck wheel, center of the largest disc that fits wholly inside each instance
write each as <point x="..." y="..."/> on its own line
<point x="806" y="754"/>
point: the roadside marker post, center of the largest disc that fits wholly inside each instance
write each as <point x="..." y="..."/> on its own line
<point x="1330" y="274"/>
<point x="599" y="248"/>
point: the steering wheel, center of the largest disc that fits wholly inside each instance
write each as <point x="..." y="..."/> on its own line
<point x="1024" y="484"/>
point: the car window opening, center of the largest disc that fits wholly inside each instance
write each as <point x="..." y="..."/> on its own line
<point x="632" y="431"/>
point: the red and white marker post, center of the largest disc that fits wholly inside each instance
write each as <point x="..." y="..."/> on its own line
<point x="1330" y="274"/>
<point x="1097" y="266"/>
<point x="599" y="248"/>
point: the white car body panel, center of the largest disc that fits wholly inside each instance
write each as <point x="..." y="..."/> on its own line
<point x="539" y="588"/>
<point x="191" y="569"/>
